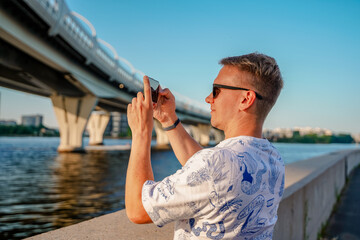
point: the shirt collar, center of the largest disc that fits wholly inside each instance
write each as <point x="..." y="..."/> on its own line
<point x="243" y="138"/>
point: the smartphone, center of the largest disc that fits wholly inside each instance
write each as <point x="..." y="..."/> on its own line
<point x="155" y="88"/>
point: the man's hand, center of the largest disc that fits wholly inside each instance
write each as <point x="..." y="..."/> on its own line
<point x="183" y="145"/>
<point x="140" y="118"/>
<point x="140" y="112"/>
<point x="164" y="109"/>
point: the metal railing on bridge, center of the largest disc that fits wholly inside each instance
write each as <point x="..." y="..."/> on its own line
<point x="64" y="22"/>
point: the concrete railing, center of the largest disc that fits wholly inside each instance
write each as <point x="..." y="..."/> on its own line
<point x="311" y="189"/>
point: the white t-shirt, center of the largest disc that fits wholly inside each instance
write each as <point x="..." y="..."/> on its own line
<point x="230" y="191"/>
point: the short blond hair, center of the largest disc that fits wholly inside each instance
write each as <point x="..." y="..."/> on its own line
<point x="267" y="80"/>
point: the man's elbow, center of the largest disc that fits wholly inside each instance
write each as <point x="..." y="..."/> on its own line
<point x="138" y="217"/>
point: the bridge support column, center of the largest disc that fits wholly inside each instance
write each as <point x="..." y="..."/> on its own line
<point x="72" y="114"/>
<point x="218" y="135"/>
<point x="96" y="127"/>
<point x="201" y="133"/>
<point x="161" y="137"/>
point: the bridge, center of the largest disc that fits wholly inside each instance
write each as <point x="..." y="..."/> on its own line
<point x="48" y="50"/>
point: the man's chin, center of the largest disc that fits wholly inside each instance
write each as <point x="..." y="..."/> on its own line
<point x="214" y="124"/>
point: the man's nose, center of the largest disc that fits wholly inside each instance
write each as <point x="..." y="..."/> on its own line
<point x="209" y="99"/>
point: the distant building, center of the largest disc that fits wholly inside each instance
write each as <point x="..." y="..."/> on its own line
<point x="356" y="137"/>
<point x="278" y="133"/>
<point x="118" y="125"/>
<point x="309" y="130"/>
<point x="289" y="133"/>
<point x="32" y="120"/>
<point x="8" y="122"/>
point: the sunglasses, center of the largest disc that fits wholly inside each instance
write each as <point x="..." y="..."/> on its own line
<point x="216" y="90"/>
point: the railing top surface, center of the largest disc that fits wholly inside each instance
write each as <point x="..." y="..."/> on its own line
<point x="64" y="22"/>
<point x="300" y="173"/>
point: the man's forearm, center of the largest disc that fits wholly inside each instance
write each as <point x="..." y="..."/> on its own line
<point x="139" y="170"/>
<point x="184" y="146"/>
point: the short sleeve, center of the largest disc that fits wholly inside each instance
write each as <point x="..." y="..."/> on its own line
<point x="182" y="195"/>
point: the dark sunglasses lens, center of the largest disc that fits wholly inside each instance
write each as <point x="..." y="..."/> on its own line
<point x="216" y="92"/>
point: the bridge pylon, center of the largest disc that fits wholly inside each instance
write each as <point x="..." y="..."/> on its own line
<point x="161" y="137"/>
<point x="218" y="135"/>
<point x="201" y="133"/>
<point x="72" y="114"/>
<point x="96" y="127"/>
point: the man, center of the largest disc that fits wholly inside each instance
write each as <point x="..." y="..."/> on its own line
<point x="230" y="191"/>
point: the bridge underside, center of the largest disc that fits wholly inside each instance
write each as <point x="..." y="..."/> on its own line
<point x="32" y="61"/>
<point x="22" y="72"/>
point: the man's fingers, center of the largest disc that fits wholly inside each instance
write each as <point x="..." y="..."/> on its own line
<point x="140" y="98"/>
<point x="134" y="101"/>
<point x="147" y="91"/>
<point x="165" y="93"/>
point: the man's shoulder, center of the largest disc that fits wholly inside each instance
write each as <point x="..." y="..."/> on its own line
<point x="206" y="156"/>
<point x="247" y="144"/>
<point x="211" y="152"/>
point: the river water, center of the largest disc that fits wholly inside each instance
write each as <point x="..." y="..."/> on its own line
<point x="42" y="190"/>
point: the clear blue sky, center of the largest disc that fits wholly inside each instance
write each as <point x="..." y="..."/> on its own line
<point x="316" y="44"/>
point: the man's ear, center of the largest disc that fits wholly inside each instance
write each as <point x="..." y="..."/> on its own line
<point x="247" y="100"/>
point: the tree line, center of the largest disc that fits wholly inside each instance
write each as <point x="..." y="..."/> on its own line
<point x="21" y="130"/>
